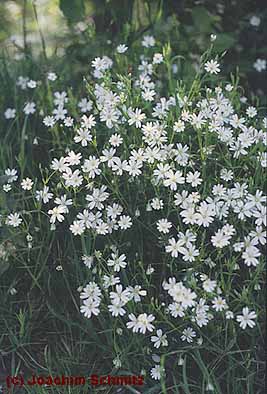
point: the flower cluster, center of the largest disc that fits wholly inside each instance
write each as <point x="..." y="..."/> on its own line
<point x="173" y="165"/>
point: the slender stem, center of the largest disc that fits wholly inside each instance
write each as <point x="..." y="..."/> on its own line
<point x="39" y="29"/>
<point x="24" y="26"/>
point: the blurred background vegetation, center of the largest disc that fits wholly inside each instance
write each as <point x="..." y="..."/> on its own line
<point x="72" y="32"/>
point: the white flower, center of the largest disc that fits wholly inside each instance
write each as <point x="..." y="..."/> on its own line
<point x="150" y="270"/>
<point x="176" y="290"/>
<point x="251" y="112"/>
<point x="156" y="203"/>
<point x="109" y="115"/>
<point x="73" y="179"/>
<point x="260" y="215"/>
<point x="73" y="158"/>
<point x="157" y="372"/>
<point x="22" y="82"/>
<point x="117" y="262"/>
<point x="114" y="211"/>
<point x="31" y="84"/>
<point x="219" y="304"/>
<point x="108" y="156"/>
<point x="119" y="331"/>
<point x="220" y="240"/>
<point x="102" y="64"/>
<point x="148" y="95"/>
<point x="83" y="136"/>
<point x="122" y="48"/>
<point x="260" y="65"/>
<point x="179" y="126"/>
<point x="250" y="254"/>
<point x="90" y="166"/>
<point x="229" y="87"/>
<point x="7" y="187"/>
<point x="110" y="281"/>
<point x="136" y="292"/>
<point x="51" y="76"/>
<point x="44" y="195"/>
<point x="175" y="247"/>
<point x="205" y="214"/>
<point x="116" y="309"/>
<point x="209" y="285"/>
<point x="160" y="339"/>
<point x="56" y="214"/>
<point x="49" y="121"/>
<point x="115" y="140"/>
<point x="29" y="108"/>
<point x="14" y="219"/>
<point x="173" y="178"/>
<point x="120" y="296"/>
<point x="246" y="319"/>
<point x="190" y="252"/>
<point x="148" y="41"/>
<point x="194" y="178"/>
<point x="259" y="235"/>
<point x="188" y="335"/>
<point x="63" y="202"/>
<point x="176" y="309"/>
<point x="157" y="58"/>
<point x="77" y="227"/>
<point x="92" y="291"/>
<point x="262" y="158"/>
<point x="117" y="362"/>
<point x="133" y="323"/>
<point x="187" y="298"/>
<point x="27" y="184"/>
<point x="11" y="174"/>
<point x="85" y="105"/>
<point x="229" y="315"/>
<point x="255" y="21"/>
<point x="146" y="68"/>
<point x="87" y="260"/>
<point x="164" y="226"/>
<point x="60" y="112"/>
<point x="144" y="323"/>
<point x="141" y="323"/>
<point x="10" y="113"/>
<point x="90" y="307"/>
<point x="212" y="67"/>
<point x="88" y="122"/>
<point x="60" y="98"/>
<point x="226" y="175"/>
<point x="125" y="222"/>
<point x="97" y="198"/>
<point x="136" y="117"/>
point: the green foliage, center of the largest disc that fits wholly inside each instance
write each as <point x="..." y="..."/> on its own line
<point x="203" y="20"/>
<point x="225" y="41"/>
<point x="74" y="10"/>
